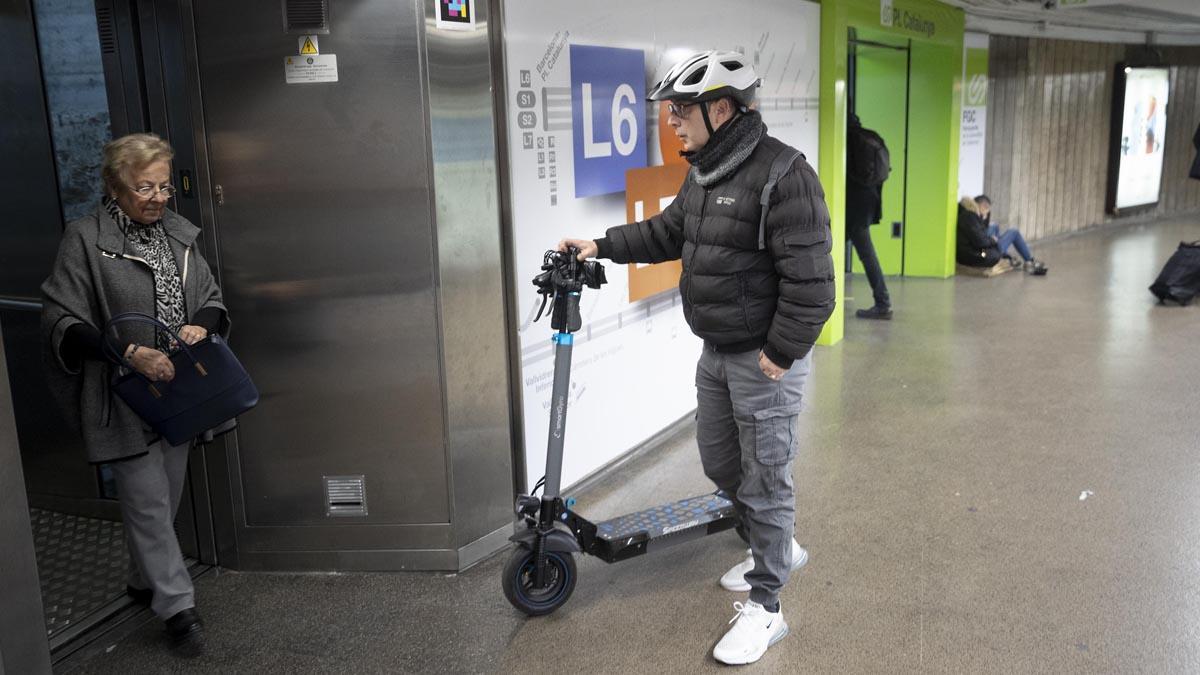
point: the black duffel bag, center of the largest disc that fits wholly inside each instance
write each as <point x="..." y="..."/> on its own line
<point x="1179" y="280"/>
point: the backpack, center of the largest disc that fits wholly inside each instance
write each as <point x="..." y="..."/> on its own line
<point x="867" y="158"/>
<point x="1179" y="280"/>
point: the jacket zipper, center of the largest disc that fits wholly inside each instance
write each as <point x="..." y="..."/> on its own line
<point x="744" y="300"/>
<point x="696" y="248"/>
<point x="187" y="253"/>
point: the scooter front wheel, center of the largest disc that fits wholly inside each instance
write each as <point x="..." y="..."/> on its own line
<point x="519" y="581"/>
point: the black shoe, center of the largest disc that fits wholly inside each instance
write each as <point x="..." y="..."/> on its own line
<point x="141" y="596"/>
<point x="876" y="312"/>
<point x="186" y="633"/>
<point x="1036" y="267"/>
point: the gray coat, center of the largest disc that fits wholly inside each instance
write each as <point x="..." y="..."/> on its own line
<point x="96" y="276"/>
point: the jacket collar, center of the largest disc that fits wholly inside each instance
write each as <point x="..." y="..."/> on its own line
<point x="112" y="239"/>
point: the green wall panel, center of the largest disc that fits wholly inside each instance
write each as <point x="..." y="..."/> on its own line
<point x="933" y="160"/>
<point x="879" y="99"/>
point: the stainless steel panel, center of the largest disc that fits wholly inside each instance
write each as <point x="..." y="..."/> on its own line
<point x="516" y="404"/>
<point x="23" y="644"/>
<point x="474" y="333"/>
<point x="31" y="229"/>
<point x="327" y="256"/>
<point x="55" y="465"/>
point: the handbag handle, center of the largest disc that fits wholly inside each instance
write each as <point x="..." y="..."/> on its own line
<point x="138" y="317"/>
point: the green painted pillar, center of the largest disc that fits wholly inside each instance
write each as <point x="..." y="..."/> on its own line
<point x="935" y="34"/>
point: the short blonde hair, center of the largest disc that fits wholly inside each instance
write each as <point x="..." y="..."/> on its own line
<point x="970" y="205"/>
<point x="129" y="153"/>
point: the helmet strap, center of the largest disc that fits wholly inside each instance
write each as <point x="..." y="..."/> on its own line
<point x="707" y="122"/>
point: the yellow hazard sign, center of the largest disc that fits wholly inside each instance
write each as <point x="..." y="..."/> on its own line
<point x="308" y="45"/>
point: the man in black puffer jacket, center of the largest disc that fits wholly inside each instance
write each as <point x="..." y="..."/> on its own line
<point x="758" y="293"/>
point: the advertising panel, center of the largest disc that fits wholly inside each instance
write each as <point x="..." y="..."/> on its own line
<point x="587" y="152"/>
<point x="1143" y="129"/>
<point x="972" y="148"/>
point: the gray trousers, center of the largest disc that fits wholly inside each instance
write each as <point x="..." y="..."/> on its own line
<point x="746" y="430"/>
<point x="149" y="489"/>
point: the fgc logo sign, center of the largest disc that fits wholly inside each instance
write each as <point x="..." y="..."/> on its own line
<point x="977" y="90"/>
<point x="608" y="116"/>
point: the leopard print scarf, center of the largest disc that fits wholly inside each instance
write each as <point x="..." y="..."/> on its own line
<point x="150" y="244"/>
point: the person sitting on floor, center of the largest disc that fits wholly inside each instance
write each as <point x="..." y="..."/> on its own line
<point x="1008" y="238"/>
<point x="974" y="248"/>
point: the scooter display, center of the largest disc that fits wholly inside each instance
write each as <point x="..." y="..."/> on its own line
<point x="541" y="573"/>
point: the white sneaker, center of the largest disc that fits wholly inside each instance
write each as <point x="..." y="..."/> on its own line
<point x="754" y="629"/>
<point x="735" y="578"/>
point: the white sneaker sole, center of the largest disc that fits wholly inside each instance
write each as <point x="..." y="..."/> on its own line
<point x="751" y="658"/>
<point x="745" y="586"/>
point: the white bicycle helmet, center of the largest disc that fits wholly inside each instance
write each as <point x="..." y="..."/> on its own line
<point x="708" y="76"/>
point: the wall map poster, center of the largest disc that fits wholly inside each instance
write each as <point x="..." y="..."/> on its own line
<point x="587" y="153"/>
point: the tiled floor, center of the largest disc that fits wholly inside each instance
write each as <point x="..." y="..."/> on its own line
<point x="1002" y="479"/>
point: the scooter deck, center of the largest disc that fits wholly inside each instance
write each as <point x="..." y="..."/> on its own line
<point x="635" y="533"/>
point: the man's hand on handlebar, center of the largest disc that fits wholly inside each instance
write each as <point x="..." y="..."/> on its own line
<point x="587" y="247"/>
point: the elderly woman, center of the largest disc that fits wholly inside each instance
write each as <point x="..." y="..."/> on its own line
<point x="132" y="254"/>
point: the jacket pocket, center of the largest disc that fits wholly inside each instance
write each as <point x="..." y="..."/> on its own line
<point x="775" y="434"/>
<point x="805" y="237"/>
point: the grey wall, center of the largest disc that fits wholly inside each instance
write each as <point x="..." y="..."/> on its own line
<point x="1048" y="129"/>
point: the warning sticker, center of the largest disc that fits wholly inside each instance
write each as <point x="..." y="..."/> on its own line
<point x="310" y="69"/>
<point x="308" y="45"/>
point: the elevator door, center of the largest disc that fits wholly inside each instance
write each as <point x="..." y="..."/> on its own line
<point x="323" y="216"/>
<point x="879" y="82"/>
<point x="80" y="72"/>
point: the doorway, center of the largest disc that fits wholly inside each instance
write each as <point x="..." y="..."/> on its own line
<point x="879" y="67"/>
<point x="91" y="70"/>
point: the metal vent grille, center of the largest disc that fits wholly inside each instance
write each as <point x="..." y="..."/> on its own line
<point x="345" y="496"/>
<point x="306" y="16"/>
<point x="108" y="31"/>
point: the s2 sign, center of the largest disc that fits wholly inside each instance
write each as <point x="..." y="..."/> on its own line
<point x="608" y="116"/>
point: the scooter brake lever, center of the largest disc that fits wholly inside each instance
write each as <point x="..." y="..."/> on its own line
<point x="545" y="297"/>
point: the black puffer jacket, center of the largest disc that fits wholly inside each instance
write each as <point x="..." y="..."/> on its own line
<point x="736" y="297"/>
<point x="974" y="247"/>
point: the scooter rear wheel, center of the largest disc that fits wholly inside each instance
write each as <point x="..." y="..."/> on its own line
<point x="518" y="581"/>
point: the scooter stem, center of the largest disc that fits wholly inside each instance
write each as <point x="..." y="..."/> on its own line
<point x="564" y="342"/>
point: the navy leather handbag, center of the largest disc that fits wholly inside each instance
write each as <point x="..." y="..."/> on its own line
<point x="210" y="386"/>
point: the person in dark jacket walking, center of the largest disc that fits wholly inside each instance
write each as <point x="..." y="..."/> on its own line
<point x="758" y="302"/>
<point x="864" y="208"/>
<point x="132" y="254"/>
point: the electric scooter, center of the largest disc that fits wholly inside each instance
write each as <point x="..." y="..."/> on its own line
<point x="540" y="574"/>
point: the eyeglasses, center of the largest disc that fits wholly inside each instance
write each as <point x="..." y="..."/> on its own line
<point x="148" y="192"/>
<point x="679" y="110"/>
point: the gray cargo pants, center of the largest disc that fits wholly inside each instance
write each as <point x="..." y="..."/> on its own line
<point x="746" y="430"/>
<point x="149" y="488"/>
